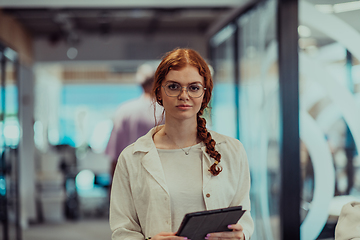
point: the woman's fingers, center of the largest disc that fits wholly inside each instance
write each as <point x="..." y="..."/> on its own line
<point x="236" y="233"/>
<point x="236" y="227"/>
<point x="225" y="235"/>
<point x="167" y="236"/>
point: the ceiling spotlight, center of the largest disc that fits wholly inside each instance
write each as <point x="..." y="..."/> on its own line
<point x="72" y="53"/>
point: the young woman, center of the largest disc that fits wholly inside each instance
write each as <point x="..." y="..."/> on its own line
<point x="179" y="167"/>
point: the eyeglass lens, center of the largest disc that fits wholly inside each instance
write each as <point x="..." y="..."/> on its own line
<point x="174" y="89"/>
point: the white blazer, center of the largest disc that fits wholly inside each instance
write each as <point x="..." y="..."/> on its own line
<point x="140" y="201"/>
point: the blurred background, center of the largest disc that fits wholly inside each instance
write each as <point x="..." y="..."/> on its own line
<point x="67" y="65"/>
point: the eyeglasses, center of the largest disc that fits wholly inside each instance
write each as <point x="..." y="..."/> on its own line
<point x="194" y="90"/>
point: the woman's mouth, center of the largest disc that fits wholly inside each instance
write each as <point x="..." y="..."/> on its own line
<point x="183" y="106"/>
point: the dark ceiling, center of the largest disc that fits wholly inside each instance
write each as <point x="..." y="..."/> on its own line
<point x="60" y="23"/>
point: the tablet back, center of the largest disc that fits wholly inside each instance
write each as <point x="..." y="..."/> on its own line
<point x="197" y="225"/>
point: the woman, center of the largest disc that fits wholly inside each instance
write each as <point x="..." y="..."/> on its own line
<point x="179" y="167"/>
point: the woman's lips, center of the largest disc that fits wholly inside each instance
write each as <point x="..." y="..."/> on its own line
<point x="183" y="107"/>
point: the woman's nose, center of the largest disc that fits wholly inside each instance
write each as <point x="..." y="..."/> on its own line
<point x="184" y="93"/>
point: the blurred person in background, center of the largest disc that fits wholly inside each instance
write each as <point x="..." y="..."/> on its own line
<point x="348" y="225"/>
<point x="179" y="167"/>
<point x="133" y="118"/>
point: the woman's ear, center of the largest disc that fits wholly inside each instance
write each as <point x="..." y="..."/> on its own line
<point x="159" y="99"/>
<point x="158" y="94"/>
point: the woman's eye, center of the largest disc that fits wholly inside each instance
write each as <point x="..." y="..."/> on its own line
<point x="173" y="86"/>
<point x="194" y="88"/>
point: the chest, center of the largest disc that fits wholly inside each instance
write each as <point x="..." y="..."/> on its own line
<point x="155" y="186"/>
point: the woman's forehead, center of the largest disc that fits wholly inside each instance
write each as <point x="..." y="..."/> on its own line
<point x="185" y="74"/>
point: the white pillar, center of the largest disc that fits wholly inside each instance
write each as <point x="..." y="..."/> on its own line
<point x="26" y="146"/>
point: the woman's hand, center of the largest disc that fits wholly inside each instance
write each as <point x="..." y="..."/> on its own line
<point x="167" y="236"/>
<point x="236" y="233"/>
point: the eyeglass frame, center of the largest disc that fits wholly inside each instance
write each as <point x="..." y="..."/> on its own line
<point x="187" y="90"/>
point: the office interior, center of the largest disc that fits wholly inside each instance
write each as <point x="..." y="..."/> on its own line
<point x="286" y="84"/>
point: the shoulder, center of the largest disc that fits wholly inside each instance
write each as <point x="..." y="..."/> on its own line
<point x="221" y="138"/>
<point x="128" y="161"/>
<point x="228" y="146"/>
<point x="131" y="159"/>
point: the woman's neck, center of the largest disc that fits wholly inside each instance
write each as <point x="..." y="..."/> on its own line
<point x="175" y="134"/>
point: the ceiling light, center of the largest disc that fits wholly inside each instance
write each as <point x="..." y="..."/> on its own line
<point x="304" y="31"/>
<point x="10" y="54"/>
<point x="305" y="43"/>
<point x="72" y="53"/>
<point x="223" y="35"/>
<point x="346" y="7"/>
<point x="325" y="8"/>
<point x="339" y="7"/>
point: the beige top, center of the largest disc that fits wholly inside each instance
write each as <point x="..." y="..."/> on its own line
<point x="186" y="169"/>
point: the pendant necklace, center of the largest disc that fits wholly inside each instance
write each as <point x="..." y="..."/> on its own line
<point x="186" y="152"/>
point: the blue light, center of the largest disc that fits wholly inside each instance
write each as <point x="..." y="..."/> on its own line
<point x="2" y="186"/>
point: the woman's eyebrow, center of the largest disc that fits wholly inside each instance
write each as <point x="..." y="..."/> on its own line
<point x="173" y="81"/>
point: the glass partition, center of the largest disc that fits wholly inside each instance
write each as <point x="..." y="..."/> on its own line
<point x="9" y="141"/>
<point x="224" y="104"/>
<point x="246" y="105"/>
<point x="329" y="66"/>
<point x="259" y="116"/>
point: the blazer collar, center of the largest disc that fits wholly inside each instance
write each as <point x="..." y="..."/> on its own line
<point x="145" y="143"/>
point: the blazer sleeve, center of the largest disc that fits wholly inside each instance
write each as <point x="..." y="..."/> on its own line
<point x="124" y="222"/>
<point x="242" y="196"/>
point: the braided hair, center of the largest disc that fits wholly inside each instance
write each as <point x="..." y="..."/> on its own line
<point x="176" y="60"/>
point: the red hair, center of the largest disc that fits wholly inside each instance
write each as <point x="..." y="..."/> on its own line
<point x="176" y="60"/>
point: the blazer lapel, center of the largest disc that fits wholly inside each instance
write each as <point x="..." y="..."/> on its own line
<point x="207" y="162"/>
<point x="152" y="164"/>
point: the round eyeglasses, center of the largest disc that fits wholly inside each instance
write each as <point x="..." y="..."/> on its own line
<point x="194" y="90"/>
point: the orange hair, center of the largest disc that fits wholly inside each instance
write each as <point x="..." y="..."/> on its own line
<point x="176" y="60"/>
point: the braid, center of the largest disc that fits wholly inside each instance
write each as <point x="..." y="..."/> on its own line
<point x="205" y="136"/>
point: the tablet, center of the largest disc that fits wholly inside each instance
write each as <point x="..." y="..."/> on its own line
<point x="197" y="225"/>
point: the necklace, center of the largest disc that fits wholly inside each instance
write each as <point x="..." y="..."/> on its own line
<point x="186" y="152"/>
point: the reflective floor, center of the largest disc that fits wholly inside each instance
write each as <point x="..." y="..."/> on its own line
<point x="92" y="229"/>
